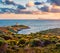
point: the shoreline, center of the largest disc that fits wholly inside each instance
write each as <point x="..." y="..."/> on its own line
<point x="12" y="29"/>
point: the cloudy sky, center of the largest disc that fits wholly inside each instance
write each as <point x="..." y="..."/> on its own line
<point x="22" y="2"/>
<point x="25" y="1"/>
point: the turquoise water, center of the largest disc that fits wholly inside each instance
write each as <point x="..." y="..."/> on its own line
<point x="35" y="25"/>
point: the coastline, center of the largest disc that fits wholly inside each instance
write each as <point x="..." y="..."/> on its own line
<point x="12" y="29"/>
<point x="43" y="15"/>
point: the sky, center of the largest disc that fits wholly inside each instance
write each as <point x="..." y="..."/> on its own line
<point x="25" y="1"/>
<point x="22" y="2"/>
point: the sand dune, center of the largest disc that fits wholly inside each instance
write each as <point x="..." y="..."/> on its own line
<point x="31" y="16"/>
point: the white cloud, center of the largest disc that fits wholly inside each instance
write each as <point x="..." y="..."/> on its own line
<point x="7" y="6"/>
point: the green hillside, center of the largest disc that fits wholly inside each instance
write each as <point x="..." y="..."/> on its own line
<point x="47" y="41"/>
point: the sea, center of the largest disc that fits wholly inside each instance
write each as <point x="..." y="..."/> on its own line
<point x="35" y="25"/>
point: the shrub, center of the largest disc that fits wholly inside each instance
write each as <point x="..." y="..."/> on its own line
<point x="21" y="42"/>
<point x="35" y="43"/>
<point x="1" y="41"/>
<point x="58" y="46"/>
<point x="45" y="42"/>
<point x="12" y="42"/>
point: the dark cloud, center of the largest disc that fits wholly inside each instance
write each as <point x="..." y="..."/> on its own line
<point x="9" y="2"/>
<point x="37" y="3"/>
<point x="57" y="2"/>
<point x="44" y="9"/>
<point x="20" y="6"/>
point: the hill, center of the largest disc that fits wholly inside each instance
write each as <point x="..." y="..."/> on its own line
<point x="47" y="41"/>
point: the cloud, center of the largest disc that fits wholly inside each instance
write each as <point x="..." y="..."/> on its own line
<point x="30" y="4"/>
<point x="10" y="6"/>
<point x="51" y="5"/>
<point x="45" y="6"/>
<point x="57" y="2"/>
<point x="20" y="6"/>
<point x="38" y="3"/>
<point x="9" y="2"/>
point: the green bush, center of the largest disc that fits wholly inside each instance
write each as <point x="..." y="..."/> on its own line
<point x="21" y="42"/>
<point x="2" y="41"/>
<point x="58" y="46"/>
<point x="12" y="42"/>
<point x="35" y="43"/>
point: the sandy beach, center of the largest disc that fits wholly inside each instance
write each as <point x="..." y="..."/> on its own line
<point x="31" y="16"/>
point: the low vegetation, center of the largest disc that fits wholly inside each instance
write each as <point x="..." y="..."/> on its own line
<point x="47" y="41"/>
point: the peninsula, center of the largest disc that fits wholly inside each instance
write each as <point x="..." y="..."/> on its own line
<point x="12" y="29"/>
